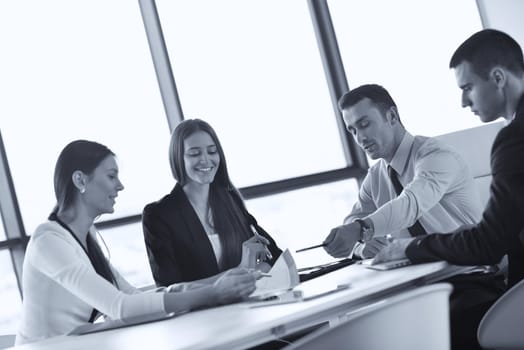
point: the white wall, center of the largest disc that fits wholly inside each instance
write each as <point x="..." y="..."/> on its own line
<point x="505" y="15"/>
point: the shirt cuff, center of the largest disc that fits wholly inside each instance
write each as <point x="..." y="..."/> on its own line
<point x="379" y="226"/>
<point x="357" y="251"/>
<point x="415" y="251"/>
<point x="177" y="287"/>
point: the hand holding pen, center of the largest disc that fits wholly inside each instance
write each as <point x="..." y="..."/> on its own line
<point x="255" y="251"/>
<point x="375" y="244"/>
<point x="341" y="240"/>
<point x="312" y="247"/>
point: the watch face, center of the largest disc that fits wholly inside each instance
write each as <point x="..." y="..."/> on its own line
<point x="367" y="234"/>
<point x="366" y="231"/>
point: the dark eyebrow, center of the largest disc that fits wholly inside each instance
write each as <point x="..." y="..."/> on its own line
<point x="359" y="120"/>
<point x="199" y="148"/>
<point x="193" y="148"/>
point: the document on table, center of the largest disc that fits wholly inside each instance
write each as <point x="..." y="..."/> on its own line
<point x="284" y="276"/>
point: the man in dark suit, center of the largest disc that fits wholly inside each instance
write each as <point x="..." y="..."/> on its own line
<point x="489" y="69"/>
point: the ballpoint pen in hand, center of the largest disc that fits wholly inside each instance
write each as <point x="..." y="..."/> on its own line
<point x="254" y="230"/>
<point x="312" y="247"/>
<point x="261" y="238"/>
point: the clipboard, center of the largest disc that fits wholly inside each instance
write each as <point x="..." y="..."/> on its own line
<point x="307" y="273"/>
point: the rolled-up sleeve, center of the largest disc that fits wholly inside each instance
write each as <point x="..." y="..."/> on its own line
<point x="365" y="204"/>
<point x="436" y="171"/>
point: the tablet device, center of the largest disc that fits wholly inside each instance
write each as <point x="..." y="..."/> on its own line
<point x="394" y="264"/>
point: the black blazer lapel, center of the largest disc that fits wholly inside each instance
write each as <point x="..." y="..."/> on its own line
<point x="194" y="233"/>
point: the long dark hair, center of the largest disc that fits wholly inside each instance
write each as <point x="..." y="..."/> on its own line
<point x="85" y="156"/>
<point x="225" y="200"/>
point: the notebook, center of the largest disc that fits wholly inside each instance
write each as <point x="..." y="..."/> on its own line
<point x="284" y="277"/>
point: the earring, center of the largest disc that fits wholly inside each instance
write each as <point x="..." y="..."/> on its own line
<point x="83" y="190"/>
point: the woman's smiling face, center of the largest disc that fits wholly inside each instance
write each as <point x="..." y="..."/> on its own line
<point x="201" y="158"/>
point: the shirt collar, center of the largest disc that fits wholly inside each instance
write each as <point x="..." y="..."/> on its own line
<point x="400" y="158"/>
<point x="508" y="121"/>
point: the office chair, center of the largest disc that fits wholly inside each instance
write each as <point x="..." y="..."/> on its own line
<point x="501" y="326"/>
<point x="412" y="320"/>
<point x="7" y="341"/>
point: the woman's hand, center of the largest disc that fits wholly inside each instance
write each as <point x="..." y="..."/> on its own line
<point x="235" y="285"/>
<point x="255" y="252"/>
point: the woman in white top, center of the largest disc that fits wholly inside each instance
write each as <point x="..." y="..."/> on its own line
<point x="67" y="280"/>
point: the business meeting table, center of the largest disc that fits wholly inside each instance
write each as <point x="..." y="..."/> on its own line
<point x="327" y="298"/>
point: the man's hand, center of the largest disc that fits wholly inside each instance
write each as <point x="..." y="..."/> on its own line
<point x="341" y="240"/>
<point x="373" y="246"/>
<point x="396" y="250"/>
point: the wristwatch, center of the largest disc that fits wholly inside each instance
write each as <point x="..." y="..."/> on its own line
<point x="366" y="231"/>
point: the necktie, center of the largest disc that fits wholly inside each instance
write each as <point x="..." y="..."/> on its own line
<point x="416" y="229"/>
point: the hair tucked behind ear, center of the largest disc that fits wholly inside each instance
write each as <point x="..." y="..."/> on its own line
<point x="80" y="155"/>
<point x="85" y="156"/>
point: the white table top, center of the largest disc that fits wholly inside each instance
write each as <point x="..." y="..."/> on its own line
<point x="241" y="325"/>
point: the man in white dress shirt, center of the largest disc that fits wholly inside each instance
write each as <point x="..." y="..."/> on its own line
<point x="418" y="186"/>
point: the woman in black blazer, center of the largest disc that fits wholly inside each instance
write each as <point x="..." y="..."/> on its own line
<point x="202" y="227"/>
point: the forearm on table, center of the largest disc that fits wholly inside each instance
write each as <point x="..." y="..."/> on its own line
<point x="188" y="300"/>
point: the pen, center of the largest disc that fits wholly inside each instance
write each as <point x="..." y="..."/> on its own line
<point x="312" y="247"/>
<point x="254" y="230"/>
<point x="265" y="274"/>
<point x="257" y="235"/>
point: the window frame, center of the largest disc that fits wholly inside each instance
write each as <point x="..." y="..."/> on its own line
<point x="16" y="237"/>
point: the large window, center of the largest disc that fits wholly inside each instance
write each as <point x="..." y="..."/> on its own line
<point x="127" y="253"/>
<point x="10" y="303"/>
<point x="70" y="72"/>
<point x="83" y="70"/>
<point x="2" y="232"/>
<point x="253" y="70"/>
<point x="406" y="46"/>
<point x="305" y="217"/>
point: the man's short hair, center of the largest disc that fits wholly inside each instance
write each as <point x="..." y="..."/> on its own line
<point x="489" y="48"/>
<point x="376" y="93"/>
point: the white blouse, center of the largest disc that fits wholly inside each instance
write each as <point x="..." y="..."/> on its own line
<point x="217" y="247"/>
<point x="61" y="288"/>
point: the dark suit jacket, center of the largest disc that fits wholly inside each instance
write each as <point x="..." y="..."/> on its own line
<point x="177" y="244"/>
<point x="500" y="231"/>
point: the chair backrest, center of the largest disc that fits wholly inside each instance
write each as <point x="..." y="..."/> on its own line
<point x="501" y="326"/>
<point x="7" y="341"/>
<point x="412" y="320"/>
<point x="475" y="147"/>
